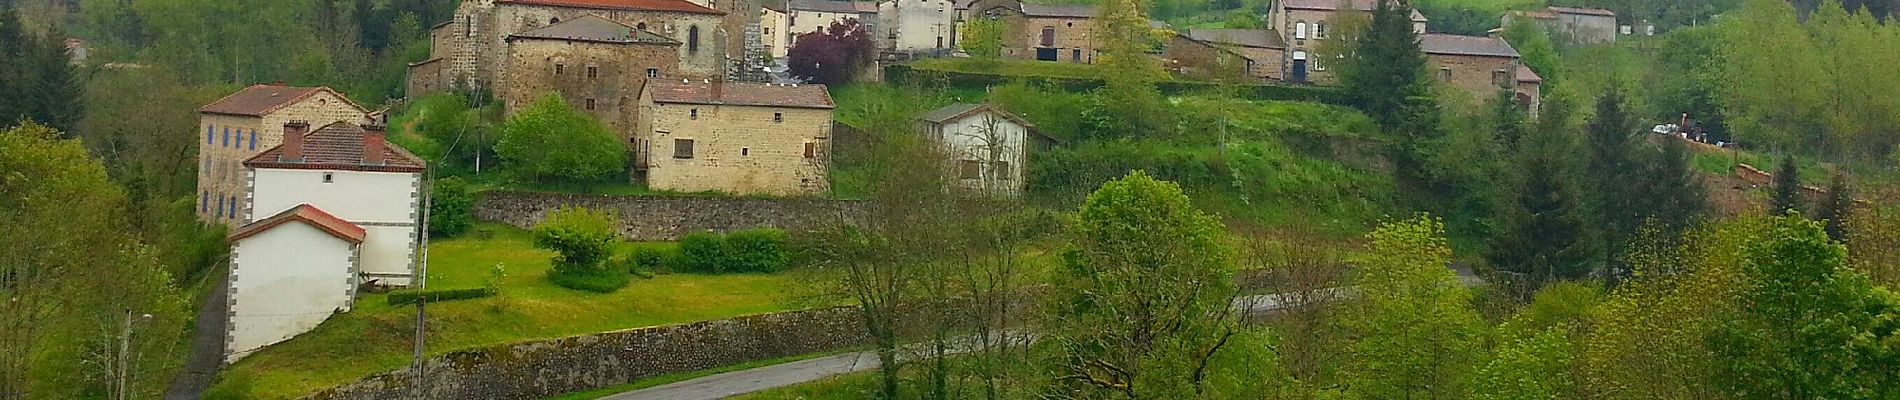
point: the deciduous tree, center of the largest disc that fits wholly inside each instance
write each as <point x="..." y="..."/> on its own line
<point x="1414" y="332"/>
<point x="833" y="56"/>
<point x="551" y="142"/>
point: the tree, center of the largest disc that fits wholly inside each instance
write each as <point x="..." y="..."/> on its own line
<point x="1143" y="297"/>
<point x="1613" y="167"/>
<point x="1386" y="67"/>
<point x="982" y="38"/>
<point x="1508" y="122"/>
<point x="1872" y="234"/>
<point x="1672" y="194"/>
<point x="1128" y="102"/>
<point x="833" y="56"/>
<point x="451" y="207"/>
<point x="70" y="272"/>
<point x="1415" y="334"/>
<point x="1806" y="327"/>
<point x="1787" y="186"/>
<point x="1837" y="207"/>
<point x="1649" y="339"/>
<point x="41" y="84"/>
<point x="551" y="142"/>
<point x="1543" y="238"/>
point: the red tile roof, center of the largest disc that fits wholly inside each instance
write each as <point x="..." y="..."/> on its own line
<point x="338" y="146"/>
<point x="741" y="93"/>
<point x="262" y="99"/>
<point x="308" y="214"/>
<point x="638" y="5"/>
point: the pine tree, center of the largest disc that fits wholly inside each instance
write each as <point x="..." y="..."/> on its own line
<point x="1507" y="121"/>
<point x="1543" y="238"/>
<point x="1387" y="65"/>
<point x="1673" y="195"/>
<point x="1835" y="210"/>
<point x="1787" y="186"/>
<point x="38" y="82"/>
<point x="1612" y="170"/>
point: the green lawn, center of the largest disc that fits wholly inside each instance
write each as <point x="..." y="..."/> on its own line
<point x="377" y="337"/>
<point x="1722" y="162"/>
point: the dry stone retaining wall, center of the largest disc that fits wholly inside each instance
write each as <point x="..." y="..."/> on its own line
<point x="542" y="369"/>
<point x="670" y="217"/>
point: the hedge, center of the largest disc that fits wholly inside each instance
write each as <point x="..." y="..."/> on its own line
<point x="744" y="251"/>
<point x="401" y="297"/>
<point x="905" y="74"/>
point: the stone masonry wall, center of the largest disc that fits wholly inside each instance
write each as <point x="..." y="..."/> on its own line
<point x="1475" y="75"/>
<point x="739" y="149"/>
<point x="669" y="217"/>
<point x="542" y="369"/>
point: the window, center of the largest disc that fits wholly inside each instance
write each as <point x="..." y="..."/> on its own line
<point x="1318" y="66"/>
<point x="1444" y="74"/>
<point x="209" y="133"/>
<point x="329" y="177"/>
<point x="253" y="139"/>
<point x="1299" y="30"/>
<point x="593" y="72"/>
<point x="1048" y="36"/>
<point x="693" y="114"/>
<point x="692" y="39"/>
<point x="233" y="209"/>
<point x="559" y="68"/>
<point x="682" y="148"/>
<point x="240" y="138"/>
<point x="768" y="30"/>
<point x="778" y="117"/>
<point x="1075" y="55"/>
<point x="468" y="26"/>
<point x="590" y="104"/>
<point x="1319" y="30"/>
<point x="969" y="169"/>
<point x="1501" y="78"/>
<point x="1001" y="170"/>
<point x="653" y="72"/>
<point x="745" y="151"/>
<point x="204" y="201"/>
<point x="811" y="150"/>
<point x="939" y="42"/>
<point x="220" y="206"/>
<point x="226" y="141"/>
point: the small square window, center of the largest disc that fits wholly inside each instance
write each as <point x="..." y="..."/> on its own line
<point x="683" y="148"/>
<point x="693" y="114"/>
<point x="590" y="104"/>
<point x="969" y="169"/>
<point x="811" y="150"/>
<point x="778" y="117"/>
<point x="653" y="72"/>
<point x="559" y="68"/>
<point x="329" y="177"/>
<point x="1001" y="169"/>
<point x="1444" y="74"/>
<point x="593" y="72"/>
<point x="745" y="151"/>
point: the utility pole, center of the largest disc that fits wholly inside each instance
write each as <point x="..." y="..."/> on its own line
<point x="422" y="284"/>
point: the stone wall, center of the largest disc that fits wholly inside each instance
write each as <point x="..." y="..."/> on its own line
<point x="542" y="369"/>
<point x="739" y="149"/>
<point x="1478" y="76"/>
<point x="669" y="217"/>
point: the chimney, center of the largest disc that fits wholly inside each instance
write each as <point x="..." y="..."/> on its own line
<point x="293" y="141"/>
<point x="718" y="88"/>
<point x="374" y="140"/>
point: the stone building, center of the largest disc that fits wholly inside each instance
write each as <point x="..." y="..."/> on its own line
<point x="987" y="148"/>
<point x="737" y="138"/>
<point x="1042" y="32"/>
<point x="807" y="16"/>
<point x="918" y="26"/>
<point x="1302" y="25"/>
<point x="1206" y="52"/>
<point x="596" y="64"/>
<point x="775" y="24"/>
<point x="341" y="209"/>
<point x="250" y="121"/>
<point x="1575" y="25"/>
<point x="470" y="48"/>
<point x="1481" y="66"/>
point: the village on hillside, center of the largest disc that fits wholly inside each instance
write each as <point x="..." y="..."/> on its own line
<point x="949" y="199"/>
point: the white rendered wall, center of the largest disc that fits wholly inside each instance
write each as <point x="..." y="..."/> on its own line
<point x="384" y="203"/>
<point x="284" y="282"/>
<point x="988" y="137"/>
<point x="920" y="22"/>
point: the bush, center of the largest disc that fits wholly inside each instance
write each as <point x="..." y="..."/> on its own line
<point x="451" y="207"/>
<point x="550" y="142"/>
<point x="401" y="297"/>
<point x="753" y="250"/>
<point x="582" y="240"/>
<point x="649" y="260"/>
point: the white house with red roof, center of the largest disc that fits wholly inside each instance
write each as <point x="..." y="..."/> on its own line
<point x="249" y="121"/>
<point x="326" y="212"/>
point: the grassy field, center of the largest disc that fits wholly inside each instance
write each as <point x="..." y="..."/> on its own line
<point x="377" y="337"/>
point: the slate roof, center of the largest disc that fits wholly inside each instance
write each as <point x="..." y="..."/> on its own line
<point x="835" y="6"/>
<point x="338" y="146"/>
<point x="1438" y="43"/>
<point x="1260" y="38"/>
<point x="262" y="99"/>
<point x="1059" y="11"/>
<point x="307" y="214"/>
<point x="595" y="29"/>
<point x="1333" y="5"/>
<point x="959" y="110"/>
<point x="1583" y="11"/>
<point x="740" y="93"/>
<point x="1525" y="74"/>
<point x="633" y="5"/>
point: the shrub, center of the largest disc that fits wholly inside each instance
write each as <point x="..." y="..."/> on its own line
<point x="758" y="250"/>
<point x="582" y="240"/>
<point x="703" y="253"/>
<point x="550" y="142"/>
<point x="451" y="207"/>
<point x="649" y="260"/>
<point x="401" y="297"/>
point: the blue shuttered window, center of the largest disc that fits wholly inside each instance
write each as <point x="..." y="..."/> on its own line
<point x="253" y="139"/>
<point x="240" y="138"/>
<point x="227" y="137"/>
<point x="204" y="201"/>
<point x="234" y="206"/>
<point x="208" y="130"/>
<point x="220" y="205"/>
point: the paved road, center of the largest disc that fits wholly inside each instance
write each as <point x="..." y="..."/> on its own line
<point x="736" y="383"/>
<point x="207" y="345"/>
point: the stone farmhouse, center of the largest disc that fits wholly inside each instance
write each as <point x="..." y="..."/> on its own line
<point x="473" y="50"/>
<point x="594" y="63"/>
<point x="1042" y="32"/>
<point x="1206" y="52"/>
<point x="1481" y="67"/>
<point x="737" y="138"/>
<point x="1302" y="24"/>
<point x="248" y="122"/>
<point x="987" y="147"/>
<point x="1576" y="25"/>
<point x="340" y="209"/>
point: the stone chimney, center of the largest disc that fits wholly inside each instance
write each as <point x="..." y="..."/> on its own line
<point x="375" y="139"/>
<point x="293" y="141"/>
<point x="718" y="88"/>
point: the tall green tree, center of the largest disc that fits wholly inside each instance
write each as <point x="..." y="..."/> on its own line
<point x="1787" y="186"/>
<point x="1143" y="298"/>
<point x="1613" y="166"/>
<point x="1672" y="194"/>
<point x="1837" y="207"/>
<point x="1128" y="101"/>
<point x="982" y="38"/>
<point x="1387" y="66"/>
<point x="551" y="142"/>
<point x="1543" y="238"/>
<point x="1808" y="328"/>
<point x="1414" y="332"/>
<point x="40" y="83"/>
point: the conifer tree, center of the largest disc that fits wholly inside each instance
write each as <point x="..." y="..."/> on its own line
<point x="1508" y="121"/>
<point x="1837" y="206"/>
<point x="1543" y="237"/>
<point x="1612" y="170"/>
<point x="1386" y="80"/>
<point x="1673" y="196"/>
<point x="1787" y="186"/>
